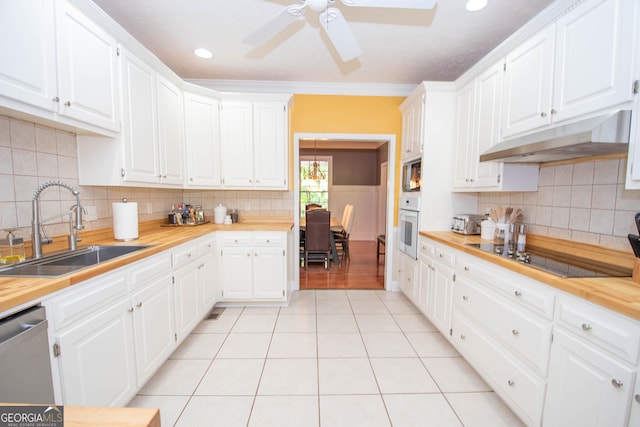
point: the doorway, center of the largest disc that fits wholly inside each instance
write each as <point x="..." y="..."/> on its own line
<point x="389" y="183"/>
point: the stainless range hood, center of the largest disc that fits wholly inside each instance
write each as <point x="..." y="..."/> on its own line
<point x="607" y="134"/>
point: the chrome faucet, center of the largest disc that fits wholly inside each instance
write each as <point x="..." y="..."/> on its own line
<point x="36" y="238"/>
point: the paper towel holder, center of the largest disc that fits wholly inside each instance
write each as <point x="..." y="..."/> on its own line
<point x="126" y="229"/>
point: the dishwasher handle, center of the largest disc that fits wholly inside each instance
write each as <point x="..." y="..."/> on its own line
<point x="19" y="330"/>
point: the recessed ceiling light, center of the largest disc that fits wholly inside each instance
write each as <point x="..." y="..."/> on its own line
<point x="473" y="5"/>
<point x="203" y="53"/>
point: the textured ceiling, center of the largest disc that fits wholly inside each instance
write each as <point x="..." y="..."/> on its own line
<point x="399" y="46"/>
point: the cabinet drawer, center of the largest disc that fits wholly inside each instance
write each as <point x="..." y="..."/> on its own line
<point x="268" y="240"/>
<point x="85" y="298"/>
<point x="528" y="335"/>
<point x="521" y="389"/>
<point x="236" y="239"/>
<point x="184" y="254"/>
<point x="426" y="247"/>
<point x="517" y="288"/>
<point x="611" y="331"/>
<point x="445" y="255"/>
<point x="150" y="268"/>
<point x="206" y="246"/>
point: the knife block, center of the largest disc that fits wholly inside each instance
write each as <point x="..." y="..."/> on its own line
<point x="636" y="271"/>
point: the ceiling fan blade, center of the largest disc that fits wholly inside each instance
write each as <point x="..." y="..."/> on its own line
<point x="288" y="15"/>
<point x="398" y="4"/>
<point x="340" y="34"/>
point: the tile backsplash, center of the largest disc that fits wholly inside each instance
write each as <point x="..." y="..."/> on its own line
<point x="32" y="154"/>
<point x="584" y="202"/>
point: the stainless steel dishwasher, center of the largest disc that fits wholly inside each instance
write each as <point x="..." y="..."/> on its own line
<point x="24" y="358"/>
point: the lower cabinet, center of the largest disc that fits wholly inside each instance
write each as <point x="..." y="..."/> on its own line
<point x="253" y="265"/>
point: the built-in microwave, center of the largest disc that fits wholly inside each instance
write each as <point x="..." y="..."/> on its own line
<point x="412" y="175"/>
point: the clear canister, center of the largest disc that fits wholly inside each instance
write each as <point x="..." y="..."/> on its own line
<point x="11" y="249"/>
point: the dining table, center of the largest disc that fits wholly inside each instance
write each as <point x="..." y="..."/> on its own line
<point x="334" y="226"/>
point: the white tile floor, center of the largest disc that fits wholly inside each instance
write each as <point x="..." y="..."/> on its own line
<point x="332" y="358"/>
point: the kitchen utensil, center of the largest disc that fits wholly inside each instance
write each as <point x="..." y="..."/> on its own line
<point x="635" y="244"/>
<point x="638" y="221"/>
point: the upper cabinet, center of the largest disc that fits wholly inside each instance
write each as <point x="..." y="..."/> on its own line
<point x="70" y="72"/>
<point x="413" y="124"/>
<point x="479" y="105"/>
<point x="202" y="133"/>
<point x="254" y="140"/>
<point x="581" y="64"/>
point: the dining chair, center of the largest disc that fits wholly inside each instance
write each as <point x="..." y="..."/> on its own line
<point x="317" y="244"/>
<point x="312" y="206"/>
<point x="341" y="238"/>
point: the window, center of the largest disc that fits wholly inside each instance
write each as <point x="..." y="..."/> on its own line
<point x="314" y="184"/>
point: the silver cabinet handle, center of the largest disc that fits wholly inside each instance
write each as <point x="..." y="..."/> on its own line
<point x="68" y="103"/>
<point x="462" y="337"/>
<point x="518" y="293"/>
<point x="637" y="398"/>
<point x="543" y="114"/>
<point x="553" y="111"/>
<point x="617" y="383"/>
<point x="465" y="298"/>
<point x="130" y="310"/>
<point x="515" y="332"/>
<point x="511" y="383"/>
<point x="56" y="99"/>
<point x="586" y="327"/>
<point x="139" y="304"/>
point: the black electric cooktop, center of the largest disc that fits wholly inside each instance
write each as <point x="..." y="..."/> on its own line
<point x="557" y="263"/>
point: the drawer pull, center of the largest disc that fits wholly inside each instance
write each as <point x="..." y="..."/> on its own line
<point x="637" y="398"/>
<point x="515" y="332"/>
<point x="465" y="298"/>
<point x="518" y="293"/>
<point x="189" y="255"/>
<point x="466" y="268"/>
<point x="130" y="310"/>
<point x="268" y="241"/>
<point x="586" y="327"/>
<point x="139" y="304"/>
<point x="462" y="337"/>
<point x="511" y="383"/>
<point x="617" y="383"/>
<point x="441" y="255"/>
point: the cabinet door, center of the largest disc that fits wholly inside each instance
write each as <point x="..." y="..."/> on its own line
<point x="29" y="26"/>
<point x="97" y="359"/>
<point x="236" y="128"/>
<point x="269" y="273"/>
<point x="462" y="172"/>
<point x="187" y="305"/>
<point x="206" y="283"/>
<point x="487" y="125"/>
<point x="412" y="126"/>
<point x="528" y="84"/>
<point x="140" y="127"/>
<point x="202" y="141"/>
<point x="424" y="284"/>
<point x="237" y="275"/>
<point x="153" y="321"/>
<point x="87" y="69"/>
<point x="441" y="298"/>
<point x="270" y="145"/>
<point x="634" y="416"/>
<point x="593" y="67"/>
<point x="586" y="387"/>
<point x="170" y="132"/>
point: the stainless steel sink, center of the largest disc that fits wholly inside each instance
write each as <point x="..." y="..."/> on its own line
<point x="67" y="262"/>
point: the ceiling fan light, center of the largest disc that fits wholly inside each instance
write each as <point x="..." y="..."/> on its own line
<point x="475" y="5"/>
<point x="317" y="5"/>
<point x="203" y="53"/>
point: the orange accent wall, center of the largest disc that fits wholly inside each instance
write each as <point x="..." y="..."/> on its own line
<point x="349" y="114"/>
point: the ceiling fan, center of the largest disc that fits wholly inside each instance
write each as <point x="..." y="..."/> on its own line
<point x="331" y="20"/>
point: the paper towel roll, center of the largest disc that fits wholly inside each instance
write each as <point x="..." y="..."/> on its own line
<point x="125" y="220"/>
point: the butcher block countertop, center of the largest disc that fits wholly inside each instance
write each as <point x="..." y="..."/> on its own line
<point x="621" y="294"/>
<point x="15" y="292"/>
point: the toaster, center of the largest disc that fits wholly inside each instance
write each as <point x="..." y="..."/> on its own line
<point x="467" y="223"/>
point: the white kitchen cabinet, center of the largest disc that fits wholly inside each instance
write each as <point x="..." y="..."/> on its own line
<point x="253" y="266"/>
<point x="440" y="289"/>
<point x="586" y="387"/>
<point x="70" y="72"/>
<point x="426" y="253"/>
<point x="170" y="132"/>
<point x="408" y="276"/>
<point x="579" y="65"/>
<point x="202" y="135"/>
<point x="87" y="69"/>
<point x="29" y="25"/>
<point x="254" y="140"/>
<point x="478" y="129"/>
<point x="140" y="129"/>
<point x="634" y="415"/>
<point x="186" y="299"/>
<point x="413" y="124"/>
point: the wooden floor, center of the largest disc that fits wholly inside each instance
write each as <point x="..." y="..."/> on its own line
<point x="360" y="272"/>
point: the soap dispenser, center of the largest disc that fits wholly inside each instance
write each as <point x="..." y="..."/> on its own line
<point x="11" y="249"/>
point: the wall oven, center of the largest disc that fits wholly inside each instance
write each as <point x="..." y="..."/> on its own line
<point x="408" y="224"/>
